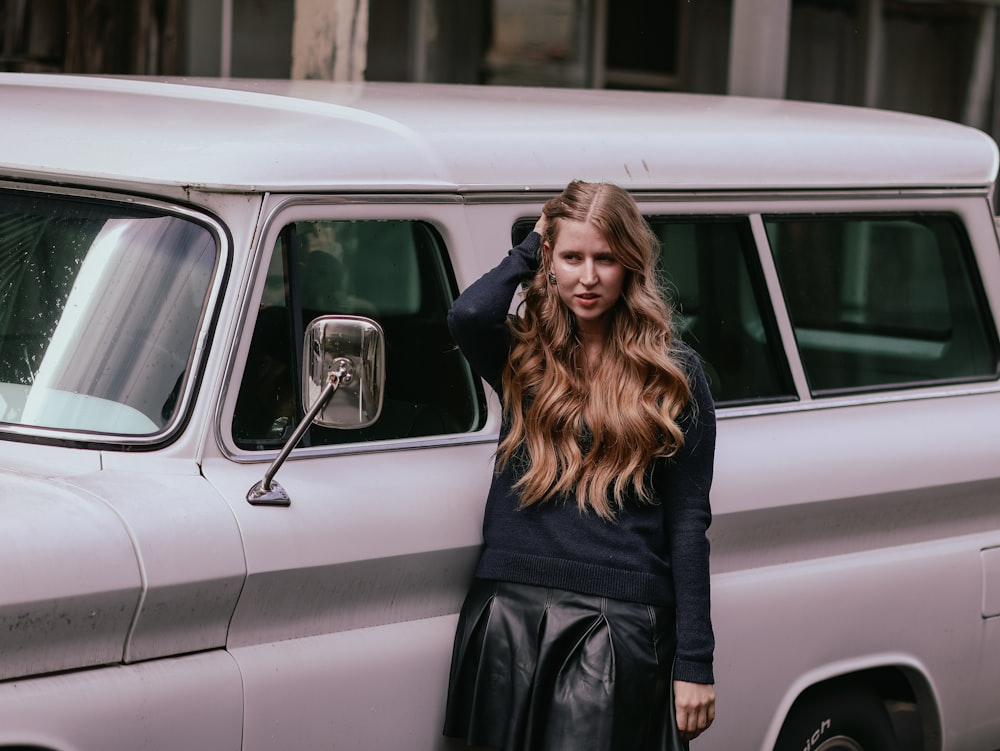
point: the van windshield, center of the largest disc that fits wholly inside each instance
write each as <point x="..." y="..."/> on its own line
<point x="100" y="308"/>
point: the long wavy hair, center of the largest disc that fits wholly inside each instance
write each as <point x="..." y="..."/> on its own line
<point x="593" y="434"/>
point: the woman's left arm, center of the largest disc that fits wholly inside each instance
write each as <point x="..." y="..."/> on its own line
<point x="685" y="493"/>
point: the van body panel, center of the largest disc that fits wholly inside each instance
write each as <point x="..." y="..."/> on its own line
<point x="825" y="607"/>
<point x="190" y="555"/>
<point x="381" y="136"/>
<point x="71" y="581"/>
<point x="357" y="672"/>
<point x="338" y="606"/>
<point x="855" y="530"/>
<point x="179" y="702"/>
<point x="303" y="568"/>
<point x="826" y="551"/>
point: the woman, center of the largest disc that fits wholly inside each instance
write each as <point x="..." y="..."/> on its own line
<point x="587" y="625"/>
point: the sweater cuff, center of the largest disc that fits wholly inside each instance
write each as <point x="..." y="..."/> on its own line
<point x="529" y="249"/>
<point x="693" y="672"/>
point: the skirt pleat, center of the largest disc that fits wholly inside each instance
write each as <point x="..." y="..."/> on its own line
<point x="540" y="669"/>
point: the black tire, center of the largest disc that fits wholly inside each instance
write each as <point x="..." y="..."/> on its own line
<point x="841" y="717"/>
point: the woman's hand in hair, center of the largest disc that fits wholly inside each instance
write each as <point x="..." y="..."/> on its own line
<point x="695" y="706"/>
<point x="540" y="226"/>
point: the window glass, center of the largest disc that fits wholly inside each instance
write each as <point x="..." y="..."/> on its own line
<point x="710" y="275"/>
<point x="878" y="301"/>
<point x="100" y="307"/>
<point x="635" y="58"/>
<point x="545" y="44"/>
<point x="713" y="279"/>
<point x="391" y="271"/>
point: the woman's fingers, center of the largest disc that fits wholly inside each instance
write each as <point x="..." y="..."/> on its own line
<point x="695" y="707"/>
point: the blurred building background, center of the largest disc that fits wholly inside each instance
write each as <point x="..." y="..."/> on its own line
<point x="923" y="56"/>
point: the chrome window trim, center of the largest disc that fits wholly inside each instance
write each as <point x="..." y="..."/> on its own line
<point x="945" y="391"/>
<point x="367" y="447"/>
<point x="745" y="197"/>
<point x="777" y="299"/>
<point x="113" y="441"/>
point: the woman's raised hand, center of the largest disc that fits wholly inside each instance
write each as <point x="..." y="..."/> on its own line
<point x="540" y="226"/>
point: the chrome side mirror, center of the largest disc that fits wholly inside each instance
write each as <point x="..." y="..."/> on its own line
<point x="357" y="346"/>
<point x="343" y="379"/>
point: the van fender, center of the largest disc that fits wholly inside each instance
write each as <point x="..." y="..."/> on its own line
<point x="912" y="669"/>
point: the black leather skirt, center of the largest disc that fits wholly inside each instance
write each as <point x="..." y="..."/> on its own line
<point x="538" y="669"/>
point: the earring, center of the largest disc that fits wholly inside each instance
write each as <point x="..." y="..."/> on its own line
<point x="552" y="278"/>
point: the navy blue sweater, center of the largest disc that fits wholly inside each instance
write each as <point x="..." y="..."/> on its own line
<point x="654" y="553"/>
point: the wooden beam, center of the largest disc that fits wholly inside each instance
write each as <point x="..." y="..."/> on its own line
<point x="758" y="52"/>
<point x="329" y="39"/>
<point x="873" y="33"/>
<point x="107" y="36"/>
<point x="979" y="92"/>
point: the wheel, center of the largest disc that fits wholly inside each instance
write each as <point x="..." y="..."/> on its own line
<point x="844" y="717"/>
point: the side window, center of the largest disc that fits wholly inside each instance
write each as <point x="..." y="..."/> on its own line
<point x="880" y="301"/>
<point x="710" y="275"/>
<point x="391" y="271"/>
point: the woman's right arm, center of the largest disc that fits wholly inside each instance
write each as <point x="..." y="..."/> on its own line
<point x="478" y="319"/>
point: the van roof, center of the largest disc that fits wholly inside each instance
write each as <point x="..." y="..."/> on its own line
<point x="246" y="135"/>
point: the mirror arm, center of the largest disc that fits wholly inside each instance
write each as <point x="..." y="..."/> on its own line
<point x="269" y="493"/>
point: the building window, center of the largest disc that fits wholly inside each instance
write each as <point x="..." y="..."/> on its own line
<point x="540" y="43"/>
<point x="626" y="44"/>
<point x="642" y="48"/>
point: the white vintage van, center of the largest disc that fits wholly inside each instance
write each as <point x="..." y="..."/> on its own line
<point x="225" y="527"/>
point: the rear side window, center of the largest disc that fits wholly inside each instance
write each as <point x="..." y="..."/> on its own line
<point x="391" y="271"/>
<point x="711" y="275"/>
<point x="882" y="301"/>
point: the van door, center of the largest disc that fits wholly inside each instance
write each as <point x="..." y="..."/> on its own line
<point x="344" y="628"/>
